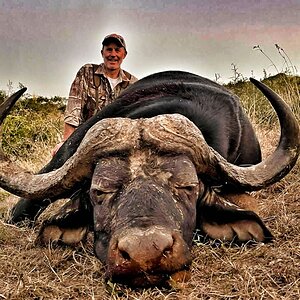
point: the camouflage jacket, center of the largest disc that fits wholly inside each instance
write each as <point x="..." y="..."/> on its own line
<point x="91" y="91"/>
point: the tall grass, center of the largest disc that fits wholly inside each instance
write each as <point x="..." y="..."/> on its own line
<point x="257" y="106"/>
<point x="32" y="128"/>
<point x="286" y="83"/>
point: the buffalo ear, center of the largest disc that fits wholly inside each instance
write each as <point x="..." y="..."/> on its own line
<point x="224" y="221"/>
<point x="70" y="224"/>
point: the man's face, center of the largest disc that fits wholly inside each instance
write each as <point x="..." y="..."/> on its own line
<point x="113" y="56"/>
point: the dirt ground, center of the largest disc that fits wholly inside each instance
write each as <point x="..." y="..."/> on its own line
<point x="262" y="271"/>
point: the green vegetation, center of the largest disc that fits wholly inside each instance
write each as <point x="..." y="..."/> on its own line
<point x="286" y="83"/>
<point x="35" y="122"/>
<point x="256" y="104"/>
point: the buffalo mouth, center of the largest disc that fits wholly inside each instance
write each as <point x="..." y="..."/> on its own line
<point x="160" y="273"/>
<point x="148" y="257"/>
<point x="146" y="279"/>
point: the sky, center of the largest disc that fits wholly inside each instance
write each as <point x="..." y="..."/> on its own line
<point x="43" y="43"/>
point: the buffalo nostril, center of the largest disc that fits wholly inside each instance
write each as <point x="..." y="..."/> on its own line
<point x="167" y="252"/>
<point x="124" y="255"/>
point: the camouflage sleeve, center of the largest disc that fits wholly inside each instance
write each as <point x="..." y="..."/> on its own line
<point x="133" y="79"/>
<point x="77" y="99"/>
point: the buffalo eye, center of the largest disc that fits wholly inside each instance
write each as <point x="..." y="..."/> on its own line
<point x="189" y="189"/>
<point x="98" y="196"/>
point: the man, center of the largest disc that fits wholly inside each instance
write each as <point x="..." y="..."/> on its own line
<point x="95" y="86"/>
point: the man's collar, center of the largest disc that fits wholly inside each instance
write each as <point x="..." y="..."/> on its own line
<point x="101" y="71"/>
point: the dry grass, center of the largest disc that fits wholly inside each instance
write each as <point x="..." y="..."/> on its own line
<point x="250" y="272"/>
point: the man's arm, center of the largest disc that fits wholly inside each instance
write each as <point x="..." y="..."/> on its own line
<point x="68" y="130"/>
<point x="73" y="112"/>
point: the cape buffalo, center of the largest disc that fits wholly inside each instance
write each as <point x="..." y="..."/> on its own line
<point x="174" y="153"/>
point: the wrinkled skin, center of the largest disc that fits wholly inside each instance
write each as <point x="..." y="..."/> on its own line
<point x="133" y="234"/>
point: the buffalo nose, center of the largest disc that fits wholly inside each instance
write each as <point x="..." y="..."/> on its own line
<point x="145" y="246"/>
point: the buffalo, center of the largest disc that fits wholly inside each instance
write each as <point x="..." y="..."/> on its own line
<point x="174" y="153"/>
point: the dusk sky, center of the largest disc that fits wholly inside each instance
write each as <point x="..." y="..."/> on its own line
<point x="43" y="43"/>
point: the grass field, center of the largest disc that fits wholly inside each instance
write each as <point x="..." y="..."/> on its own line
<point x="262" y="271"/>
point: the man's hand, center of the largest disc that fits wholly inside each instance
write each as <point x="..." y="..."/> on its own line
<point x="56" y="148"/>
<point x="68" y="130"/>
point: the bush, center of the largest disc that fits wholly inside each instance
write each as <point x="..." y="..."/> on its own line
<point x="2" y="96"/>
<point x="35" y="122"/>
<point x="257" y="106"/>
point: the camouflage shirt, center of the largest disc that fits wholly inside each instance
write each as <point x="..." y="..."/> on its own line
<point x="91" y="91"/>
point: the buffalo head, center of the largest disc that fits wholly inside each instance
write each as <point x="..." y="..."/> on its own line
<point x="151" y="183"/>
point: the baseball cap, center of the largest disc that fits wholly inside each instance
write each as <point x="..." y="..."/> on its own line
<point x="114" y="38"/>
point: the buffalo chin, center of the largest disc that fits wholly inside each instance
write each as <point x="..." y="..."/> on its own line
<point x="144" y="279"/>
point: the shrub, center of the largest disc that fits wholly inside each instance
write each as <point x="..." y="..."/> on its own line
<point x="255" y="103"/>
<point x="2" y="96"/>
<point x="34" y="123"/>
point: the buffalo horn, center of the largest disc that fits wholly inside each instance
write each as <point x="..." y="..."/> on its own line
<point x="106" y="136"/>
<point x="175" y="133"/>
<point x="278" y="164"/>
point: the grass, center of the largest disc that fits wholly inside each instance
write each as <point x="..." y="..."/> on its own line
<point x="262" y="271"/>
<point x="256" y="105"/>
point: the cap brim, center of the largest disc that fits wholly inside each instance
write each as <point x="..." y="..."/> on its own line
<point x="112" y="40"/>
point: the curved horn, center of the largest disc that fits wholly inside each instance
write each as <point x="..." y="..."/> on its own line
<point x="106" y="136"/>
<point x="277" y="165"/>
<point x="7" y="105"/>
<point x="175" y="131"/>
